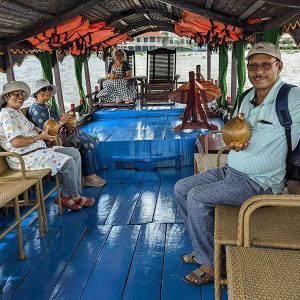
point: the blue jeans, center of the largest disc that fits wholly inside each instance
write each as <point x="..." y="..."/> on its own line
<point x="196" y="197"/>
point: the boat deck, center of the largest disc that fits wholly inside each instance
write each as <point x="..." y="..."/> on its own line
<point x="127" y="246"/>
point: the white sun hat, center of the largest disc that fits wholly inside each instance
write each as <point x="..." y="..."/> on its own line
<point x="41" y="83"/>
<point x="14" y="86"/>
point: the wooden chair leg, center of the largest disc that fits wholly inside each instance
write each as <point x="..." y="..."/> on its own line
<point x="58" y="195"/>
<point x="218" y="271"/>
<point x="41" y="220"/>
<point x="19" y="229"/>
<point x="42" y="205"/>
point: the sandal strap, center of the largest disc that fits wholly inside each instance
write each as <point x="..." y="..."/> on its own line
<point x="201" y="274"/>
<point x="189" y="258"/>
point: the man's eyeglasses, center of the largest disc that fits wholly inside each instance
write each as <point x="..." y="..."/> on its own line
<point x="264" y="66"/>
<point x="46" y="89"/>
<point x="19" y="93"/>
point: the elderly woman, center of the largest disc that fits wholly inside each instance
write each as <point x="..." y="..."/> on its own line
<point x="40" y="112"/>
<point x="118" y="88"/>
<point x="18" y="134"/>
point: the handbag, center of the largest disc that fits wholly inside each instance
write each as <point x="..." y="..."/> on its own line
<point x="69" y="137"/>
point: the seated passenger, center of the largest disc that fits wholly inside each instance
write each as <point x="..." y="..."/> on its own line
<point x="255" y="168"/>
<point x="18" y="134"/>
<point x="118" y="88"/>
<point x="40" y="111"/>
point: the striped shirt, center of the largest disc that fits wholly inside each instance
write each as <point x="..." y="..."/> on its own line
<point x="264" y="160"/>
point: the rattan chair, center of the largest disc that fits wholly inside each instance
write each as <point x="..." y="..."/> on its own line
<point x="7" y="174"/>
<point x="258" y="273"/>
<point x="9" y="197"/>
<point x="206" y="161"/>
<point x="275" y="222"/>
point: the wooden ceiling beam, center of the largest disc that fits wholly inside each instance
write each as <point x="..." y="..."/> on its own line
<point x="27" y="10"/>
<point x="252" y="9"/>
<point x="208" y="4"/>
<point x="147" y="11"/>
<point x="288" y="3"/>
<point x="209" y="14"/>
<point x="138" y="3"/>
<point x="280" y="20"/>
<point x="146" y="24"/>
<point x="38" y="28"/>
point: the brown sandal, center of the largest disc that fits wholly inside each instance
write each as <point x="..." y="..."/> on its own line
<point x="202" y="278"/>
<point x="85" y="201"/>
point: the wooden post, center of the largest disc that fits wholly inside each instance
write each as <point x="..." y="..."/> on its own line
<point x="10" y="75"/>
<point x="208" y="63"/>
<point x="87" y="78"/>
<point x="233" y="74"/>
<point x="198" y="72"/>
<point x="58" y="82"/>
<point x="193" y="96"/>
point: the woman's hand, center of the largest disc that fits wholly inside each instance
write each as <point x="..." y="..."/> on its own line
<point x="65" y="118"/>
<point x="45" y="136"/>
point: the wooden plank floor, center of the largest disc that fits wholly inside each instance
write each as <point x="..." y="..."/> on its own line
<point x="127" y="246"/>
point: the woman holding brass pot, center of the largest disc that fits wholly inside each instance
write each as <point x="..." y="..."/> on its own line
<point x="18" y="134"/>
<point x="40" y="112"/>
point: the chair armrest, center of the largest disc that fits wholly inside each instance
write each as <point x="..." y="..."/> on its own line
<point x="256" y="202"/>
<point x="20" y="158"/>
<point x="177" y="76"/>
<point x="141" y="78"/>
<point x="206" y="139"/>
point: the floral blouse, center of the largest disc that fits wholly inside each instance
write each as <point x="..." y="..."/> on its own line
<point x="36" y="156"/>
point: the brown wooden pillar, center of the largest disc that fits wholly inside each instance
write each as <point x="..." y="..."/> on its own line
<point x="10" y="75"/>
<point x="60" y="98"/>
<point x="87" y="78"/>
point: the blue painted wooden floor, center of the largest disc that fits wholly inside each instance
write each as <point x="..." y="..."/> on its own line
<point x="127" y="246"/>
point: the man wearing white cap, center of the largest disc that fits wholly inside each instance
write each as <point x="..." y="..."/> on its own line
<point x="257" y="167"/>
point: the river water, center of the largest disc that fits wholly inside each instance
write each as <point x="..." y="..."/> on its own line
<point x="31" y="70"/>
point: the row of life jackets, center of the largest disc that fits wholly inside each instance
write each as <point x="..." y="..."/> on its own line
<point x="206" y="31"/>
<point x="77" y="36"/>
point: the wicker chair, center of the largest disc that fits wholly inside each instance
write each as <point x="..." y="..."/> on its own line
<point x="206" y="161"/>
<point x="258" y="273"/>
<point x="7" y="174"/>
<point x="9" y="197"/>
<point x="275" y="222"/>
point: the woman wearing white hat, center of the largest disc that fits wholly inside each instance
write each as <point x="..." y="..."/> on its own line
<point x="40" y="112"/>
<point x="18" y="134"/>
<point x="118" y="88"/>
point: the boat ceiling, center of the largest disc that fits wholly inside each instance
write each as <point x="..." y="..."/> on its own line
<point x="21" y="19"/>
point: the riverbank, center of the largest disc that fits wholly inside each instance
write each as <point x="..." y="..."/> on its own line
<point x="31" y="70"/>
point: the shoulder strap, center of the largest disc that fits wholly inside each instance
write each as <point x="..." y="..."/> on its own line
<point x="284" y="116"/>
<point x="243" y="96"/>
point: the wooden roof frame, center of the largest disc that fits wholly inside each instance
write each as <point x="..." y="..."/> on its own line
<point x="169" y="14"/>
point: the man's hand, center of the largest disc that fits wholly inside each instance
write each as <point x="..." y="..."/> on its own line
<point x="240" y="147"/>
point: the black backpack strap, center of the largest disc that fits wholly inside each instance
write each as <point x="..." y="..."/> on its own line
<point x="284" y="117"/>
<point x="243" y="96"/>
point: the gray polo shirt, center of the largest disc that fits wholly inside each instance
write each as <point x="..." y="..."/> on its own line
<point x="264" y="160"/>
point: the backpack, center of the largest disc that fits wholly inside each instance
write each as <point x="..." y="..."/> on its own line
<point x="293" y="157"/>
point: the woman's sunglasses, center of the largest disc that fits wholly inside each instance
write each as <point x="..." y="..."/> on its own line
<point x="19" y="93"/>
<point x="46" y="89"/>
